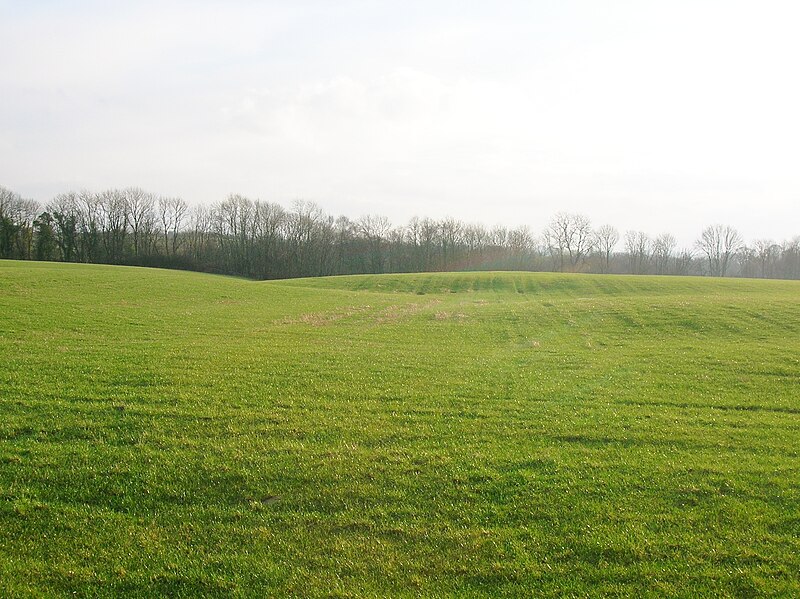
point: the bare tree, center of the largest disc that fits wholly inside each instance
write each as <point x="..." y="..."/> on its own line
<point x="475" y="239"/>
<point x="569" y="239"/>
<point x="140" y="205"/>
<point x="606" y="239"/>
<point x="301" y="223"/>
<point x="269" y="221"/>
<point x="429" y="233"/>
<point x="450" y="231"/>
<point x="663" y="247"/>
<point x="24" y="216"/>
<point x="719" y="243"/>
<point x="262" y="239"/>
<point x="114" y="212"/>
<point x="7" y="198"/>
<point x="683" y="262"/>
<point x="200" y="231"/>
<point x="496" y="241"/>
<point x="396" y="246"/>
<point x="521" y="243"/>
<point x="637" y="245"/>
<point x="90" y="216"/>
<point x="345" y="241"/>
<point x="172" y="213"/>
<point x="234" y="226"/>
<point x="790" y="259"/>
<point x="767" y="253"/>
<point x="374" y="230"/>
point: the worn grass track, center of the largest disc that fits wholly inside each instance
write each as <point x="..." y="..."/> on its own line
<point x="178" y="434"/>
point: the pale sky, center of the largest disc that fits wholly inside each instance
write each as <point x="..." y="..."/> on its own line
<point x="660" y="116"/>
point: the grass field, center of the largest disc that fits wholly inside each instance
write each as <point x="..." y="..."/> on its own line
<point x="494" y="434"/>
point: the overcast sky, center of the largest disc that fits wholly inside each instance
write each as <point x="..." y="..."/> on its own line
<point x="649" y="115"/>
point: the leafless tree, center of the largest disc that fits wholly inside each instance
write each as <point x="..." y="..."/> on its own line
<point x="374" y="230"/>
<point x="767" y="253"/>
<point x="233" y="223"/>
<point x="301" y="223"/>
<point x="663" y="248"/>
<point x="719" y="243"/>
<point x="200" y="231"/>
<point x="114" y="212"/>
<point x="269" y="222"/>
<point x="683" y="261"/>
<point x="497" y="241"/>
<point x="7" y="198"/>
<point x="262" y="239"/>
<point x="91" y="218"/>
<point x="172" y="214"/>
<point x="637" y="246"/>
<point x="142" y="220"/>
<point x="475" y="238"/>
<point x="428" y="232"/>
<point x="521" y="243"/>
<point x="27" y="210"/>
<point x="606" y="238"/>
<point x="450" y="231"/>
<point x="569" y="239"/>
<point x="790" y="259"/>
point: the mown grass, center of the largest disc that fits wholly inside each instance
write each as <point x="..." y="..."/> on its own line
<point x="177" y="434"/>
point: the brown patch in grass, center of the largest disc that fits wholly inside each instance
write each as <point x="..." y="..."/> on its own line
<point x="394" y="313"/>
<point x="320" y="319"/>
<point x="451" y="316"/>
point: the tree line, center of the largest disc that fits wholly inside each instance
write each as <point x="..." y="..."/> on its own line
<point x="264" y="240"/>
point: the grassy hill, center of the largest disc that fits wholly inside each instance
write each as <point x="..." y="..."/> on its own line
<point x="177" y="434"/>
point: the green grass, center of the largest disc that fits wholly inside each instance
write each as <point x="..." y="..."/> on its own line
<point x="177" y="434"/>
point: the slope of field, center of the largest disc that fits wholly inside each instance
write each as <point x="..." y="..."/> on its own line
<point x="177" y="434"/>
